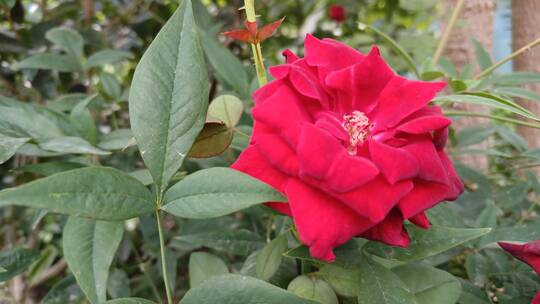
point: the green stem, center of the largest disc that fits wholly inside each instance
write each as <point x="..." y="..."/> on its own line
<point x="444" y="38"/>
<point x="401" y="51"/>
<point x="494" y="117"/>
<point x="163" y="258"/>
<point x="142" y="267"/>
<point x="249" y="6"/>
<point x="507" y="58"/>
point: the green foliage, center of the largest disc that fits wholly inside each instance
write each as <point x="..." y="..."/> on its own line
<point x="215" y="192"/>
<point x="231" y="289"/>
<point x="89" y="248"/>
<point x="139" y="108"/>
<point x="168" y="97"/>
<point x="97" y="193"/>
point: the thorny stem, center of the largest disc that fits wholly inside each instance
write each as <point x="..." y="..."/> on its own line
<point x="249" y="6"/>
<point x="444" y="38"/>
<point x="494" y="117"/>
<point x="508" y="58"/>
<point x="163" y="258"/>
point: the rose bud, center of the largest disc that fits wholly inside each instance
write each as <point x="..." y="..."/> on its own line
<point x="337" y="13"/>
<point x="528" y="253"/>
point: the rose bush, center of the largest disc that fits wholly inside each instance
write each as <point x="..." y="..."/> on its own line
<point x="355" y="148"/>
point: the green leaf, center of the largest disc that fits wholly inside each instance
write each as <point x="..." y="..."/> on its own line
<point x="118" y="139"/>
<point x="49" y="61"/>
<point x="379" y="285"/>
<point x="504" y="101"/>
<point x="227" y="109"/>
<point x="487" y="100"/>
<point x="458" y="85"/>
<point x="471" y="294"/>
<point x="89" y="249"/>
<point x="203" y="265"/>
<point x="9" y="146"/>
<point x="49" y="168"/>
<point x="395" y="45"/>
<point x="81" y="118"/>
<point x="426" y="243"/>
<point x="215" y="192"/>
<point x="314" y="289"/>
<point x="142" y="176"/>
<point x="46" y="258"/>
<point x="130" y="301"/>
<point x="213" y="140"/>
<point x="431" y="75"/>
<point x="71" y="144"/>
<point x="67" y="39"/>
<point x="104" y="57"/>
<point x="7" y="3"/>
<point x="518" y="92"/>
<point x="477" y="268"/>
<point x="241" y="242"/>
<point x="235" y="289"/>
<point x="474" y="135"/>
<point x="345" y="281"/>
<point x="15" y="261"/>
<point x="521" y="233"/>
<point x="96" y="192"/>
<point x="269" y="260"/>
<point x="118" y="285"/>
<point x="429" y="285"/>
<point x="228" y="68"/>
<point x="110" y="85"/>
<point x="515" y="78"/>
<point x="169" y="96"/>
<point x="512" y="138"/>
<point x="26" y="122"/>
<point x="64" y="291"/>
<point x="482" y="56"/>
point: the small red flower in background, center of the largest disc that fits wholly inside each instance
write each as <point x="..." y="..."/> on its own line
<point x="252" y="34"/>
<point x="528" y="253"/>
<point x="337" y="13"/>
<point x="536" y="299"/>
<point x="355" y="148"/>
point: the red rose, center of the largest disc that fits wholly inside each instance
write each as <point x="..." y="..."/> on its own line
<point x="528" y="253"/>
<point x="354" y="147"/>
<point x="337" y="13"/>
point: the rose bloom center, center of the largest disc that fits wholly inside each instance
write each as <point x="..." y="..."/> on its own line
<point x="358" y="127"/>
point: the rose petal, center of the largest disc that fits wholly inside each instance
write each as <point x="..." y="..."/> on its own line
<point x="323" y="222"/>
<point x="455" y="183"/>
<point x="430" y="167"/>
<point x="395" y="164"/>
<point x="536" y="299"/>
<point x="519" y="251"/>
<point x="254" y="164"/>
<point x="364" y="81"/>
<point x="377" y="206"/>
<point x="423" y="196"/>
<point x="402" y="97"/>
<point x="390" y="231"/>
<point x="315" y="151"/>
<point x="349" y="172"/>
<point x="278" y="153"/>
<point x="420" y="220"/>
<point x="425" y="124"/>
<point x="290" y="57"/>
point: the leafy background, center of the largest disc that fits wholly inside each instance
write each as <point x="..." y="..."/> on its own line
<point x="66" y="68"/>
